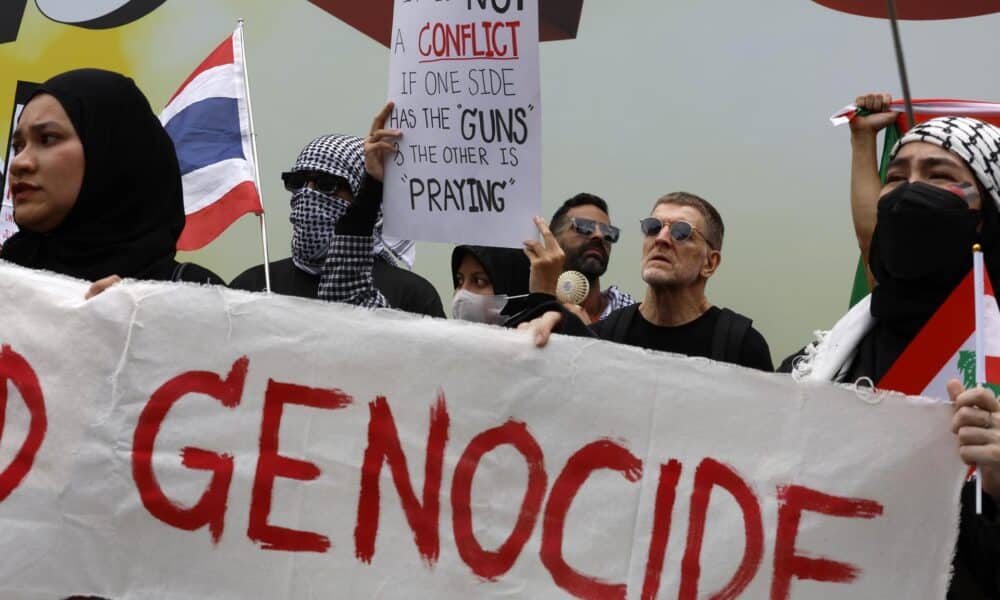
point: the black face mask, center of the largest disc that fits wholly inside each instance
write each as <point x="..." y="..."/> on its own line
<point x="924" y="236"/>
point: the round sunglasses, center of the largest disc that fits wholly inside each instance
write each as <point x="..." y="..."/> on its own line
<point x="323" y="182"/>
<point x="679" y="230"/>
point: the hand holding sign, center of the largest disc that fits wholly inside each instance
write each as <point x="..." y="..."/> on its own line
<point x="377" y="146"/>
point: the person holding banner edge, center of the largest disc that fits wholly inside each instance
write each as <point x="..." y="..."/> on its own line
<point x="96" y="185"/>
<point x="944" y="178"/>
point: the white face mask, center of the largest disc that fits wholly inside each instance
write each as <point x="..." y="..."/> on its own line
<point x="477" y="308"/>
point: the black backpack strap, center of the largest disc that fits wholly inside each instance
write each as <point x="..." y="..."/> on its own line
<point x="730" y="331"/>
<point x="618" y="323"/>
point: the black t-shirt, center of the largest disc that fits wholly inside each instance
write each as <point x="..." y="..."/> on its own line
<point x="691" y="339"/>
<point x="403" y="289"/>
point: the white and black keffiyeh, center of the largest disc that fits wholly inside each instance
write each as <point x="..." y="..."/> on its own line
<point x="347" y="273"/>
<point x="975" y="142"/>
<point x="343" y="262"/>
<point x="314" y="216"/>
<point x="340" y="155"/>
<point x="616" y="299"/>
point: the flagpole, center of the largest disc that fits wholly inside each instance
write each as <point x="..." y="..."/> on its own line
<point x="256" y="162"/>
<point x="979" y="295"/>
<point x="900" y="63"/>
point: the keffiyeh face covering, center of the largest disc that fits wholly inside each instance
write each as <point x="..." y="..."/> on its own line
<point x="314" y="216"/>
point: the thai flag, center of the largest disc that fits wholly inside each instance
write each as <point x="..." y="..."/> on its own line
<point x="208" y="119"/>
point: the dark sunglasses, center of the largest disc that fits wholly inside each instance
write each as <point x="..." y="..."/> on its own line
<point x="679" y="230"/>
<point x="324" y="182"/>
<point x="588" y="226"/>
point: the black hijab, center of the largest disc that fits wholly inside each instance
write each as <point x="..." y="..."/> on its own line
<point x="130" y="210"/>
<point x="507" y="268"/>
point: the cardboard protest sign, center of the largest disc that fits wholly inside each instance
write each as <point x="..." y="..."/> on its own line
<point x="464" y="78"/>
<point x="176" y="441"/>
<point x="7" y="225"/>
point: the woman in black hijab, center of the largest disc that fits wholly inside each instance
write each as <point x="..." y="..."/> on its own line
<point x="942" y="195"/>
<point x="96" y="184"/>
<point x="489" y="282"/>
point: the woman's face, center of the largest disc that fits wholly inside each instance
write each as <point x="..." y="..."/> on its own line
<point x="932" y="164"/>
<point x="472" y="277"/>
<point x="47" y="171"/>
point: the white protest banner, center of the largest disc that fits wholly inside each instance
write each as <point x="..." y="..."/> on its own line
<point x="7" y="225"/>
<point x="464" y="78"/>
<point x="178" y="442"/>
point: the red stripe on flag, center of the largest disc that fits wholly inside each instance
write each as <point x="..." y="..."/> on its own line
<point x="223" y="55"/>
<point x="993" y="369"/>
<point x="922" y="117"/>
<point x="206" y="224"/>
<point x="936" y="343"/>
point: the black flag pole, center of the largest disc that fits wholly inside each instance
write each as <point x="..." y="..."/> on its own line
<point x="907" y="99"/>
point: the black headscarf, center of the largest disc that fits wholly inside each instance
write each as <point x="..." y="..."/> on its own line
<point x="507" y="268"/>
<point x="130" y="210"/>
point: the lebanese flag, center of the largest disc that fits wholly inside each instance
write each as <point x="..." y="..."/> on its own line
<point x="208" y="119"/>
<point x="946" y="347"/>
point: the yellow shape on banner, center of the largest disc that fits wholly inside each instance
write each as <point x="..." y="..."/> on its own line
<point x="45" y="48"/>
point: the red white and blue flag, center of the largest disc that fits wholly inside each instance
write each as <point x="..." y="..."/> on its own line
<point x="208" y="119"/>
<point x="946" y="347"/>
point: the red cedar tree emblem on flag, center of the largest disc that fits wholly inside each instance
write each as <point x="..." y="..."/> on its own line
<point x="915" y="10"/>
<point x="557" y="19"/>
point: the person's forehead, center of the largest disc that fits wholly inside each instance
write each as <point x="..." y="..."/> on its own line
<point x="588" y="211"/>
<point x="918" y="151"/>
<point x="675" y="212"/>
<point x="42" y="108"/>
<point x="470" y="264"/>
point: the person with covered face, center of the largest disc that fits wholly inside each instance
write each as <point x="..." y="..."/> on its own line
<point x="941" y="196"/>
<point x="338" y="252"/>
<point x="489" y="283"/>
<point x="96" y="185"/>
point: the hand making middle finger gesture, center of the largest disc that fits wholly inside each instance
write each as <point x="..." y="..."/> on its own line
<point x="380" y="144"/>
<point x="547" y="260"/>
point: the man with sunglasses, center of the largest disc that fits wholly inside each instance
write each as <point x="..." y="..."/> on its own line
<point x="682" y="249"/>
<point x="585" y="233"/>
<point x="337" y="250"/>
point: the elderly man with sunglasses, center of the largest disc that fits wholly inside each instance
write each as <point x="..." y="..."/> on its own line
<point x="682" y="249"/>
<point x="337" y="250"/>
<point x="584" y="231"/>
